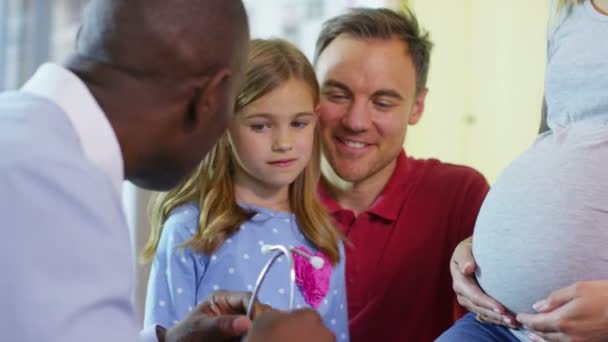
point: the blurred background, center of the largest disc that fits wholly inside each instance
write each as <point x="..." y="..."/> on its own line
<point x="486" y="74"/>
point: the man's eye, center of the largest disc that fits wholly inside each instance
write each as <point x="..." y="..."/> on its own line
<point x="383" y="105"/>
<point x="336" y="97"/>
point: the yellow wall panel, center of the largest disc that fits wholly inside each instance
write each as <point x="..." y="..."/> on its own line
<point x="485" y="82"/>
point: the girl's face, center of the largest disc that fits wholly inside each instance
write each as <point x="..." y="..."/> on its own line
<point x="272" y="138"/>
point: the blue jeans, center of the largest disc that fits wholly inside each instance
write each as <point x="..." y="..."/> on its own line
<point x="468" y="329"/>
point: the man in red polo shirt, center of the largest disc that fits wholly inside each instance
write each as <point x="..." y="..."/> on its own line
<point x="402" y="216"/>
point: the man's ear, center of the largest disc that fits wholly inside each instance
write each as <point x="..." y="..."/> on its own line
<point x="418" y="107"/>
<point x="209" y="98"/>
<point x="217" y="91"/>
<point x="317" y="110"/>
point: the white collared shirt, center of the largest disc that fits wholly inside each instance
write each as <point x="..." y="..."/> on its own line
<point x="96" y="135"/>
<point x="104" y="232"/>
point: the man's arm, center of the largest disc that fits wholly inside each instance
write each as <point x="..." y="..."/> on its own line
<point x="66" y="256"/>
<point x="68" y="271"/>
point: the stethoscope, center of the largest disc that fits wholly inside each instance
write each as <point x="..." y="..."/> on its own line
<point x="315" y="261"/>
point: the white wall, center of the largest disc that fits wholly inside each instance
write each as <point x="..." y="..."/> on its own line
<point x="136" y="206"/>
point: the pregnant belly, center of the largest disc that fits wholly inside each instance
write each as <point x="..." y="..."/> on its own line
<point x="544" y="224"/>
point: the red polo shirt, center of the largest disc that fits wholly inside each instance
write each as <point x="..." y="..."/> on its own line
<point x="398" y="251"/>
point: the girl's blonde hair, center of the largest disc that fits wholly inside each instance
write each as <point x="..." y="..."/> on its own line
<point x="270" y="64"/>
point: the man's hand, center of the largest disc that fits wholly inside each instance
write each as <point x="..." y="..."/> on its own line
<point x="296" y="326"/>
<point x="221" y="303"/>
<point x="468" y="292"/>
<point x="575" y="313"/>
<point x="221" y="317"/>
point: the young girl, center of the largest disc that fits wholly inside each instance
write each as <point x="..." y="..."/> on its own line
<point x="257" y="186"/>
<point x="543" y="224"/>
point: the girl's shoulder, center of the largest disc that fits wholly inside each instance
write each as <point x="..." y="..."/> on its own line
<point x="182" y="220"/>
<point x="178" y="230"/>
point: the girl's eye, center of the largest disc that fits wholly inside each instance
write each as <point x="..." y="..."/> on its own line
<point x="258" y="127"/>
<point x="299" y="124"/>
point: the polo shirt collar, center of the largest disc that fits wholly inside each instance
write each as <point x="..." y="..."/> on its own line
<point x="388" y="203"/>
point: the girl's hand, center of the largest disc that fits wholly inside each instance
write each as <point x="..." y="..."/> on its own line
<point x="575" y="313"/>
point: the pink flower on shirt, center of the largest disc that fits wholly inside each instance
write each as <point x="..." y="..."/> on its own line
<point x="313" y="283"/>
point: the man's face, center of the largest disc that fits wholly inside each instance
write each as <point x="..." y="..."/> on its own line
<point x="193" y="125"/>
<point x="214" y="117"/>
<point x="368" y="98"/>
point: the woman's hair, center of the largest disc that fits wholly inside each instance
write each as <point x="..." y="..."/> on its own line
<point x="561" y="9"/>
<point x="271" y="63"/>
<point x="567" y="4"/>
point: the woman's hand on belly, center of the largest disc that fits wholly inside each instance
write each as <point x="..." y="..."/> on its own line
<point x="575" y="313"/>
<point x="468" y="292"/>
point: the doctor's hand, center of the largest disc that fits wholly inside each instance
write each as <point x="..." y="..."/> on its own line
<point x="575" y="313"/>
<point x="221" y="303"/>
<point x="221" y="317"/>
<point x="468" y="292"/>
<point x="296" y="326"/>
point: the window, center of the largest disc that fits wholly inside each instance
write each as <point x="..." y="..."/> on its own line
<point x="33" y="32"/>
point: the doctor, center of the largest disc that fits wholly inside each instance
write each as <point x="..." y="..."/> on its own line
<point x="147" y="92"/>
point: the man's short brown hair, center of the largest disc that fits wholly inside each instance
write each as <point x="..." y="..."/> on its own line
<point x="382" y="23"/>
